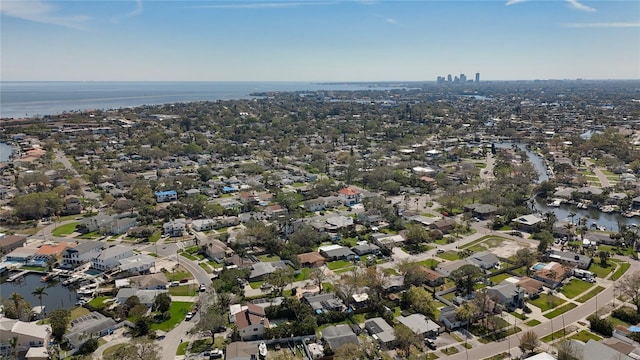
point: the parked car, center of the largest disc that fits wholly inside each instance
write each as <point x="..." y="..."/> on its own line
<point x="203" y="288"/>
<point x="189" y="316"/>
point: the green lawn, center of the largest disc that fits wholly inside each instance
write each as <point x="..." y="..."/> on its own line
<point x="178" y="311"/>
<point x="98" y="302"/>
<point x="554" y="336"/>
<point x="178" y="275"/>
<point x="429" y="263"/>
<point x="477" y="248"/>
<point x="584" y="336"/>
<point x="449" y="351"/>
<point x="390" y="272"/>
<point x="497" y="279"/>
<point x="560" y="310"/>
<point x="269" y="258"/>
<point x="545" y="302"/>
<point x="206" y="267"/>
<point x="155" y="237"/>
<point x="575" y="287"/>
<point x="449" y="255"/>
<point x="78" y="312"/>
<point x="256" y="284"/>
<point x="304" y="274"/>
<point x="622" y="268"/>
<point x="183" y="290"/>
<point x="518" y="315"/>
<point x="338" y="264"/>
<point x="533" y="322"/>
<point x="65" y="229"/>
<point x="114" y="348"/>
<point x="201" y="345"/>
<point x="590" y="294"/>
<point x="182" y="348"/>
<point x="599" y="270"/>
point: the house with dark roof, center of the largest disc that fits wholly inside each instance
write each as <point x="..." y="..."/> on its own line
<point x="338" y="335"/>
<point x="365" y="249"/>
<point x="9" y="243"/>
<point x="481" y="211"/>
<point x="568" y="258"/>
<point x="251" y="322"/>
<point x="393" y="284"/>
<point x="321" y="303"/>
<point x="336" y="252"/>
<point x="445" y="225"/>
<point x="380" y="330"/>
<point x="484" y="260"/>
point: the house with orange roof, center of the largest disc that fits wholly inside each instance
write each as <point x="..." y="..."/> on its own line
<point x="349" y="196"/>
<point x="53" y="251"/>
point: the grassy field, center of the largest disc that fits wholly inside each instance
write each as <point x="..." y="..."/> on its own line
<point x="78" y="312"/>
<point x="269" y="258"/>
<point x="183" y="290"/>
<point x="599" y="270"/>
<point x="554" y="336"/>
<point x="304" y="274"/>
<point x="429" y="263"/>
<point x="546" y="302"/>
<point x="178" y="275"/>
<point x="584" y="336"/>
<point x="449" y="255"/>
<point x="575" y="287"/>
<point x="449" y="351"/>
<point x="497" y="279"/>
<point x="99" y="302"/>
<point x="182" y="348"/>
<point x="65" y="229"/>
<point x="533" y="322"/>
<point x="560" y="310"/>
<point x="338" y="264"/>
<point x="590" y="294"/>
<point x="620" y="270"/>
<point x="178" y="311"/>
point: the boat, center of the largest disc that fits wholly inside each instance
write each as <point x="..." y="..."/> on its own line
<point x="48" y="277"/>
<point x="87" y="290"/>
<point x="555" y="203"/>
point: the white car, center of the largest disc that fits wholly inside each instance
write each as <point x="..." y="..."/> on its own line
<point x="189" y="316"/>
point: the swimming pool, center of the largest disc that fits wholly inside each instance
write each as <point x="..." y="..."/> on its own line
<point x="538" y="266"/>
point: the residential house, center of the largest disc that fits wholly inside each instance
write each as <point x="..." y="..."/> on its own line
<point x="528" y="223"/>
<point x="260" y="270"/>
<point x="449" y="319"/>
<point x="81" y="253"/>
<point x="371" y="218"/>
<point x="109" y="258"/>
<point x="447" y="267"/>
<point x="21" y="254"/>
<point x="9" y="243"/>
<point x="137" y="264"/>
<point x="314" y="205"/>
<point x="166" y="196"/>
<point x="568" y="258"/>
<point x="174" y="228"/>
<point x="311" y="259"/>
<point x="595" y="350"/>
<point x="216" y="249"/>
<point x="119" y="225"/>
<point x="203" y="224"/>
<point x="393" y="284"/>
<point x="420" y="325"/>
<point x="276" y="211"/>
<point x="336" y="252"/>
<point x="240" y="350"/>
<point x="481" y="211"/>
<point x="551" y="274"/>
<point x="431" y="277"/>
<point x="484" y="260"/>
<point x="350" y="196"/>
<point x="50" y="252"/>
<point x="27" y="334"/>
<point x="338" y="335"/>
<point x="365" y="248"/>
<point x="390" y="240"/>
<point x="71" y="206"/>
<point x="508" y="294"/>
<point x="533" y="287"/>
<point x="146" y="297"/>
<point x="321" y="303"/>
<point x="251" y="323"/>
<point x="92" y="325"/>
<point x="380" y="330"/>
<point x="332" y="223"/>
<point x="156" y="281"/>
<point x="445" y="225"/>
<point x="240" y="262"/>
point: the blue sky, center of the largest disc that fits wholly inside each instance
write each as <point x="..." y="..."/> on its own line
<point x="318" y="40"/>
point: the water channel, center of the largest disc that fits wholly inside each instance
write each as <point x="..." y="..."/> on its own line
<point x="57" y="297"/>
<point x="610" y="221"/>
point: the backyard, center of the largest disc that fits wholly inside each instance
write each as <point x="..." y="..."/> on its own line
<point x="546" y="302"/>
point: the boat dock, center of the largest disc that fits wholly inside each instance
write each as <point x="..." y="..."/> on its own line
<point x="17" y="276"/>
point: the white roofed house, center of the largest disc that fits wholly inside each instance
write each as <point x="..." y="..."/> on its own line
<point x="138" y="264"/>
<point x="109" y="258"/>
<point x="28" y="334"/>
<point x="174" y="228"/>
<point x="528" y="222"/>
<point x="420" y="324"/>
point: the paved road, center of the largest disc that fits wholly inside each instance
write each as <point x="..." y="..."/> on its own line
<point x="604" y="181"/>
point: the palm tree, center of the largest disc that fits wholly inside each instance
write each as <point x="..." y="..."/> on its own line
<point x="39" y="292"/>
<point x="572" y="215"/>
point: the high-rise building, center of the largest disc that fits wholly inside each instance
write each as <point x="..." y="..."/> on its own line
<point x="463" y="78"/>
<point x="449" y="78"/>
<point x="477" y="77"/>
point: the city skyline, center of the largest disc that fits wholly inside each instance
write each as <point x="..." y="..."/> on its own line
<point x="318" y="40"/>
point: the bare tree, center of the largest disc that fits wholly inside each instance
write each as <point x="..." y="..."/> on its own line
<point x="529" y="342"/>
<point x="629" y="286"/>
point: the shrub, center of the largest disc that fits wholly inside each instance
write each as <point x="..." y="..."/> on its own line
<point x="89" y="346"/>
<point x="601" y="326"/>
<point x="630" y="317"/>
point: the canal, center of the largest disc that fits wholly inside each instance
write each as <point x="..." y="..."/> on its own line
<point x="609" y="221"/>
<point x="57" y="297"/>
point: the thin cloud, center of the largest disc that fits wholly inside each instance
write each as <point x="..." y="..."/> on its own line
<point x="511" y="2"/>
<point x="614" y="25"/>
<point x="390" y="21"/>
<point x="273" y="5"/>
<point x="41" y="12"/>
<point x="574" y="4"/>
<point x="135" y="12"/>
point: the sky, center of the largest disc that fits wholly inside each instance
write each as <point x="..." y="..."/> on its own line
<point x="298" y="40"/>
